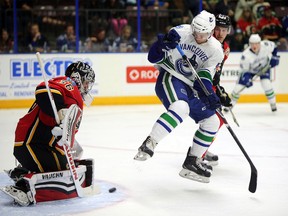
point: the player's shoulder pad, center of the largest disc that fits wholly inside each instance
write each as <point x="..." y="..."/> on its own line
<point x="268" y="43"/>
<point x="217" y="46"/>
<point x="182" y="29"/>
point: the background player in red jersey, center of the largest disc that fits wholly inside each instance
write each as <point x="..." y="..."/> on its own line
<point x="37" y="134"/>
<point x="222" y="29"/>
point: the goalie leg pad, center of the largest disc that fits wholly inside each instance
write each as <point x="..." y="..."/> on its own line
<point x="89" y="174"/>
<point x="41" y="187"/>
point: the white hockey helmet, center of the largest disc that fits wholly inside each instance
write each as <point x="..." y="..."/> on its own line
<point x="203" y="22"/>
<point x="254" y="38"/>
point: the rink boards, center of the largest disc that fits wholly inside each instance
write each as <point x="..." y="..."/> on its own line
<point x="120" y="78"/>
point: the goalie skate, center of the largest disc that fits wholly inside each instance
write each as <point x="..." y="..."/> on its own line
<point x="19" y="196"/>
<point x="146" y="150"/>
<point x="17" y="173"/>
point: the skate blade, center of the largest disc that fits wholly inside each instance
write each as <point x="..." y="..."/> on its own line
<point x="141" y="156"/>
<point x="211" y="163"/>
<point x="8" y="190"/>
<point x="193" y="176"/>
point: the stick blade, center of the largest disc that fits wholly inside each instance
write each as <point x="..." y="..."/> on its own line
<point x="253" y="181"/>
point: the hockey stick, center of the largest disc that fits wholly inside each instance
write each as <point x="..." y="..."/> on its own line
<point x="254" y="173"/>
<point x="66" y="147"/>
<point x="266" y="68"/>
<point x="233" y="116"/>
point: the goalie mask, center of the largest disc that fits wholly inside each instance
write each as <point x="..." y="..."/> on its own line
<point x="84" y="77"/>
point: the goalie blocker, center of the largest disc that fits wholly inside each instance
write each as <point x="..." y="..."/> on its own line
<point x="32" y="188"/>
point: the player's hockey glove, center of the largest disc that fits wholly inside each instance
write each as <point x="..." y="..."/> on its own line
<point x="223" y="96"/>
<point x="169" y="40"/>
<point x="274" y="61"/>
<point x="214" y="102"/>
<point x="164" y="43"/>
<point x="249" y="83"/>
<point x="246" y="79"/>
<point x="211" y="101"/>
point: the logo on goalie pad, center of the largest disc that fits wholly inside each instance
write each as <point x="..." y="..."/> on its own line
<point x="52" y="175"/>
<point x="71" y="161"/>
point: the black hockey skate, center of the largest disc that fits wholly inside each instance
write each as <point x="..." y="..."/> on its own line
<point x="273" y="107"/>
<point x="193" y="169"/>
<point x="211" y="159"/>
<point x="146" y="150"/>
<point x="226" y="109"/>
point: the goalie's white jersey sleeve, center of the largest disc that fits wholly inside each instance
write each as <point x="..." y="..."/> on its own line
<point x="204" y="57"/>
<point x="254" y="63"/>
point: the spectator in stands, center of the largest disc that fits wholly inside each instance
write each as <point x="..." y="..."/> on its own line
<point x="191" y="6"/>
<point x="246" y="22"/>
<point x="25" y="12"/>
<point x="98" y="42"/>
<point x="134" y="3"/>
<point x="243" y="5"/>
<point x="174" y="14"/>
<point x="5" y="15"/>
<point x="283" y="41"/>
<point x="67" y="41"/>
<point x="238" y="41"/>
<point x="36" y="42"/>
<point x="160" y="4"/>
<point x="285" y="26"/>
<point x="126" y="42"/>
<point x="6" y="42"/>
<point x="269" y="26"/>
<point x="98" y="16"/>
<point x="117" y="19"/>
<point x="258" y="8"/>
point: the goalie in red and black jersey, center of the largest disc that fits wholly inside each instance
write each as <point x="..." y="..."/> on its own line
<point x="222" y="29"/>
<point x="37" y="147"/>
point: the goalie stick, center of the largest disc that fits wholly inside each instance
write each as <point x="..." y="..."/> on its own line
<point x="254" y="174"/>
<point x="66" y="145"/>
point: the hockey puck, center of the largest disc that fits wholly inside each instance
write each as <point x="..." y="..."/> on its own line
<point x="111" y="190"/>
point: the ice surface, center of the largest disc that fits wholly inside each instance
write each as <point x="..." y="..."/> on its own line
<point x="112" y="134"/>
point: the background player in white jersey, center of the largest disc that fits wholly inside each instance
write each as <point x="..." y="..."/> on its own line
<point x="182" y="100"/>
<point x="257" y="60"/>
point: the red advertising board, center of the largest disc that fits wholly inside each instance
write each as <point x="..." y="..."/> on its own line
<point x="141" y="74"/>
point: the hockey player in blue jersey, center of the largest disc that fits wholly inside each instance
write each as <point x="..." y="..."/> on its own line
<point x="182" y="100"/>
